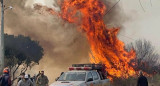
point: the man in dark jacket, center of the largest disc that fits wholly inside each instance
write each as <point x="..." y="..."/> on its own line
<point x="42" y="80"/>
<point x="142" y="80"/>
<point x="5" y="78"/>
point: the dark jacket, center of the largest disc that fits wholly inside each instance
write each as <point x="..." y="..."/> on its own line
<point x="142" y="81"/>
<point x="42" y="80"/>
<point x="5" y="80"/>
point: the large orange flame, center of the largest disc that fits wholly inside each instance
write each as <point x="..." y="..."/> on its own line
<point x="106" y="48"/>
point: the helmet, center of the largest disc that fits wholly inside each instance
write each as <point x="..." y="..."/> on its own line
<point x="5" y="70"/>
<point x="26" y="76"/>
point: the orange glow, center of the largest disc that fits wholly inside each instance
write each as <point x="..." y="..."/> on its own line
<point x="105" y="47"/>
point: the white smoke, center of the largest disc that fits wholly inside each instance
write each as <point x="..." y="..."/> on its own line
<point x="48" y="3"/>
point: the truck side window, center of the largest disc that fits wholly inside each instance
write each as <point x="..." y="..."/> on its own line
<point x="89" y="76"/>
<point x="95" y="76"/>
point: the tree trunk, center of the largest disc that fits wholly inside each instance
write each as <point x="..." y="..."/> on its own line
<point x="13" y="74"/>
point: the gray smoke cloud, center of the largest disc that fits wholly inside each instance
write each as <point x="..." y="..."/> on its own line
<point x="63" y="44"/>
<point x="115" y="16"/>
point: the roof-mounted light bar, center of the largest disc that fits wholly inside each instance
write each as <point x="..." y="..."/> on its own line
<point x="80" y="68"/>
<point x="93" y="66"/>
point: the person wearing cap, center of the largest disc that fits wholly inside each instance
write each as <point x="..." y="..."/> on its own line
<point x="42" y="80"/>
<point x="142" y="80"/>
<point x="25" y="82"/>
<point x="5" y="79"/>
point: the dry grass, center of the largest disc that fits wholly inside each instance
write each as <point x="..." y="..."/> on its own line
<point x="153" y="81"/>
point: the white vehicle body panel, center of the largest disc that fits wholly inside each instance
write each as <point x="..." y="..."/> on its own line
<point x="68" y="83"/>
<point x="98" y="82"/>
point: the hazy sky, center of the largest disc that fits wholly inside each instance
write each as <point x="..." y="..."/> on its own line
<point x="143" y="24"/>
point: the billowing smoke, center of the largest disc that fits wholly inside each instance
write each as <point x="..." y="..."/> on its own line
<point x="115" y="16"/>
<point x="63" y="44"/>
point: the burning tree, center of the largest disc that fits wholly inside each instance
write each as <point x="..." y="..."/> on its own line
<point x="146" y="60"/>
<point x="146" y="56"/>
<point x="106" y="48"/>
<point x="21" y="51"/>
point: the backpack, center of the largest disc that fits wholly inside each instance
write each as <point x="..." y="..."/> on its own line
<point x="3" y="79"/>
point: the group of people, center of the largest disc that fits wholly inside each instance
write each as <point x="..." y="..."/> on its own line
<point x="36" y="80"/>
<point x="25" y="79"/>
<point x="42" y="80"/>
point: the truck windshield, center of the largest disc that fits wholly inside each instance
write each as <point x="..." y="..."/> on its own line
<point x="72" y="76"/>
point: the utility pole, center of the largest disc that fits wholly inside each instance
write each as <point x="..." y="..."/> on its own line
<point x="2" y="38"/>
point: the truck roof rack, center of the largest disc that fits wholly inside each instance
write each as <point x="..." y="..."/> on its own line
<point x="93" y="66"/>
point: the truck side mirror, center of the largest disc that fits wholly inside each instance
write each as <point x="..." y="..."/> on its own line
<point x="56" y="78"/>
<point x="90" y="79"/>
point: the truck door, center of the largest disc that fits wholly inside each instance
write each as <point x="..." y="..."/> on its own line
<point x="96" y="79"/>
<point x="89" y="79"/>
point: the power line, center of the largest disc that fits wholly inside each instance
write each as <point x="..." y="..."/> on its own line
<point x="141" y="5"/>
<point x="112" y="7"/>
<point x="151" y="3"/>
<point x="127" y="37"/>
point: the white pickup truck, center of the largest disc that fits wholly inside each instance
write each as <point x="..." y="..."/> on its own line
<point x="82" y="75"/>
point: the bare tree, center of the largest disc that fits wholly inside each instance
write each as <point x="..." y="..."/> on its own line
<point x="146" y="56"/>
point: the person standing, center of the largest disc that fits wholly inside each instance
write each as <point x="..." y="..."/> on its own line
<point x="5" y="79"/>
<point x="42" y="80"/>
<point x="25" y="81"/>
<point x="21" y="77"/>
<point x="34" y="80"/>
<point x="142" y="80"/>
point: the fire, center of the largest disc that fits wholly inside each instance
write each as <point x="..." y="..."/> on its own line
<point x="105" y="47"/>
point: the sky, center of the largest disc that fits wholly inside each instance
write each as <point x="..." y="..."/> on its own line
<point x="144" y="24"/>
